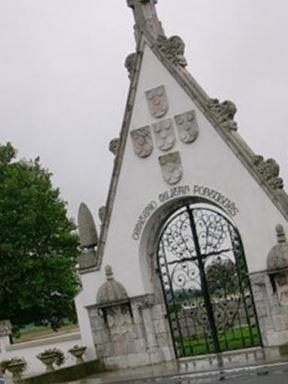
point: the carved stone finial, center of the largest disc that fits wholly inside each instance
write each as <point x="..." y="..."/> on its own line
<point x="269" y="170"/>
<point x="111" y="291"/>
<point x="130" y="63"/>
<point x="278" y="256"/>
<point x="114" y="145"/>
<point x="277" y="266"/>
<point x="146" y="18"/>
<point x="281" y="236"/>
<point x="87" y="229"/>
<point x="224" y="113"/>
<point x="109" y="273"/>
<point x="173" y="48"/>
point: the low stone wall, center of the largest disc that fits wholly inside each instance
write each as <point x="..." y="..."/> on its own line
<point x="29" y="350"/>
<point x="68" y="374"/>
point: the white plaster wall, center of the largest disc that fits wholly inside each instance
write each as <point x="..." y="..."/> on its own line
<point x="29" y="351"/>
<point x="87" y="296"/>
<point x="208" y="162"/>
<point x="85" y="326"/>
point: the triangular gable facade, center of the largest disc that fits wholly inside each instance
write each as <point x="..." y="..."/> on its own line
<point x="215" y="166"/>
<point x="178" y="148"/>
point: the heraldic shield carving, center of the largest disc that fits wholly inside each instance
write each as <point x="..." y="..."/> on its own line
<point x="157" y="101"/>
<point x="164" y="134"/>
<point x="142" y="141"/>
<point x="171" y="167"/>
<point x="187" y="127"/>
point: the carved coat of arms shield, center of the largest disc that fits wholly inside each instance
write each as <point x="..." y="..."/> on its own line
<point x="164" y="134"/>
<point x="171" y="167"/>
<point x="142" y="141"/>
<point x="157" y="101"/>
<point x="187" y="127"/>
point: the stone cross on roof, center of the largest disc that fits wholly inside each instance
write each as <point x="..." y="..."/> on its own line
<point x="146" y="18"/>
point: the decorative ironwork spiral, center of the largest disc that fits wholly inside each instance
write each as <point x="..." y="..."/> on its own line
<point x="205" y="283"/>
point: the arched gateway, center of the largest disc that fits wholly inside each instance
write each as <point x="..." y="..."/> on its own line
<point x="180" y="164"/>
<point x="204" y="276"/>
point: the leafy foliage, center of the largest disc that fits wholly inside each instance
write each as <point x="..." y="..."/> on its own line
<point x="38" y="245"/>
<point x="221" y="276"/>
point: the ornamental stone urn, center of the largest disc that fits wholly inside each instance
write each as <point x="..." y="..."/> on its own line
<point x="48" y="360"/>
<point x="16" y="367"/>
<point x="78" y="352"/>
<point x="277" y="266"/>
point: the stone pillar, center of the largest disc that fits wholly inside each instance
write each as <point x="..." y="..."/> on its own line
<point x="270" y="290"/>
<point x="5" y="331"/>
<point x="146" y="18"/>
<point x="277" y="290"/>
<point x="261" y="293"/>
<point x="153" y="350"/>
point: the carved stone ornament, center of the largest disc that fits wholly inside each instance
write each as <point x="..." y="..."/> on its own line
<point x="119" y="321"/>
<point x="269" y="170"/>
<point x="224" y="113"/>
<point x="187" y="127"/>
<point x="164" y="134"/>
<point x="114" y="145"/>
<point x="111" y="291"/>
<point x="173" y="48"/>
<point x="157" y="101"/>
<point x="171" y="167"/>
<point x="142" y="141"/>
<point x="130" y="63"/>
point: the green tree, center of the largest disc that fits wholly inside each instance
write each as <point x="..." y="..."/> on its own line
<point x="38" y="245"/>
<point x="221" y="277"/>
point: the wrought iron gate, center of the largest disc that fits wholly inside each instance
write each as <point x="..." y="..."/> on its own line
<point x="205" y="282"/>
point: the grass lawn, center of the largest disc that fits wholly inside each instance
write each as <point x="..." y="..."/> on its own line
<point x="36" y="333"/>
<point x="231" y="339"/>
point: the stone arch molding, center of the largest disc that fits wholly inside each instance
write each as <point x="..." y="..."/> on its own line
<point x="151" y="234"/>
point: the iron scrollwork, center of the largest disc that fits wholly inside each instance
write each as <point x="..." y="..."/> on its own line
<point x="205" y="283"/>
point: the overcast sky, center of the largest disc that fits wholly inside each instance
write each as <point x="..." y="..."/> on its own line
<point x="63" y="85"/>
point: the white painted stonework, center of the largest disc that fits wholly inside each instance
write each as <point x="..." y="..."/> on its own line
<point x="209" y="172"/>
<point x="123" y="316"/>
<point x="207" y="162"/>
